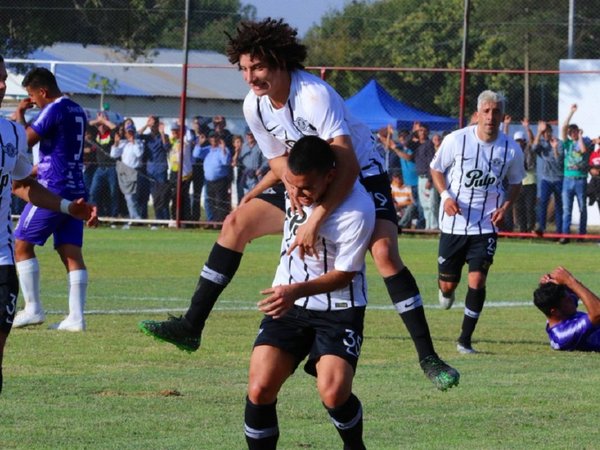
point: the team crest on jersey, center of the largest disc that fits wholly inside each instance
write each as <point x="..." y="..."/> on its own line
<point x="10" y="149"/>
<point x="305" y="127"/>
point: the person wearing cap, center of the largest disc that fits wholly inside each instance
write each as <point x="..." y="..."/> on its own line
<point x="175" y="164"/>
<point x="130" y="151"/>
<point x="525" y="203"/>
<point x="217" y="173"/>
<point x="575" y="167"/>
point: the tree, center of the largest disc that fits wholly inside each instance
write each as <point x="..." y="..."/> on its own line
<point x="428" y="34"/>
<point x="137" y="26"/>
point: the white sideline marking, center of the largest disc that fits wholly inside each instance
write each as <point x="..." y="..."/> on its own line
<point x="252" y="307"/>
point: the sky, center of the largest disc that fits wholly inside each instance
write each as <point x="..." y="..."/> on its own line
<point x="300" y="14"/>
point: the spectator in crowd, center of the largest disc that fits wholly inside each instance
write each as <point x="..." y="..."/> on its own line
<point x="546" y="147"/>
<point x="217" y="171"/>
<point x="423" y="152"/>
<point x="409" y="171"/>
<point x="198" y="154"/>
<point x="403" y="199"/>
<point x="525" y="203"/>
<point x="128" y="152"/>
<point x="175" y="164"/>
<point x="386" y="149"/>
<point x="104" y="191"/>
<point x="575" y="175"/>
<point x="90" y="147"/>
<point x="436" y="140"/>
<point x="156" y="148"/>
<point x="593" y="187"/>
<point x="220" y="128"/>
<point x="568" y="329"/>
<point x="251" y="164"/>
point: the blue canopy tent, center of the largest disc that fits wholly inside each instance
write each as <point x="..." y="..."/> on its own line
<point x="377" y="108"/>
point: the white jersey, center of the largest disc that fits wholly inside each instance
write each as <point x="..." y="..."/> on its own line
<point x="14" y="164"/>
<point x="341" y="245"/>
<point x="313" y="108"/>
<point x="477" y="174"/>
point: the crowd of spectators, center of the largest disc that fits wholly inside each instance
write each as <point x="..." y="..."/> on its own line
<point x="126" y="167"/>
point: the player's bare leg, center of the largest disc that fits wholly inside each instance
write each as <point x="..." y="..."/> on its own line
<point x="404" y="292"/>
<point x="251" y="220"/>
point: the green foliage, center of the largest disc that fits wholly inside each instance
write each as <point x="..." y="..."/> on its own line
<point x="137" y="27"/>
<point x="429" y="34"/>
<point x="114" y="388"/>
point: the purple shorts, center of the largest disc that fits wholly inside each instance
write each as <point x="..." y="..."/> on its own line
<point x="37" y="224"/>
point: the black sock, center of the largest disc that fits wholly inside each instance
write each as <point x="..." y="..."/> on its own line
<point x="216" y="274"/>
<point x="260" y="426"/>
<point x="407" y="300"/>
<point x="348" y="420"/>
<point x="473" y="307"/>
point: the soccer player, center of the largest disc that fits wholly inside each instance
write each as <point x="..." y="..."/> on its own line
<point x="15" y="169"/>
<point x="470" y="170"/>
<point x="59" y="128"/>
<point x="317" y="303"/>
<point x="568" y="329"/>
<point x="284" y="104"/>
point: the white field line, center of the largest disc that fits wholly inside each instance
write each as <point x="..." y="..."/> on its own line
<point x="234" y="306"/>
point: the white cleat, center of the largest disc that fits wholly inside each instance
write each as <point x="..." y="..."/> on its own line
<point x="446" y="302"/>
<point x="24" y="318"/>
<point x="464" y="350"/>
<point x="67" y="325"/>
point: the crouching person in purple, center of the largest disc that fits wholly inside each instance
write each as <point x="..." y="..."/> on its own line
<point x="59" y="129"/>
<point x="568" y="329"/>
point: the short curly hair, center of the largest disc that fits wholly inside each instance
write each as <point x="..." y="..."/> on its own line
<point x="272" y="41"/>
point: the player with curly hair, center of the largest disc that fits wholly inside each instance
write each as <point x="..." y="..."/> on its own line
<point x="284" y="104"/>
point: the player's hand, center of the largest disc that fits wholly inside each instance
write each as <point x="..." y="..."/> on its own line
<point x="84" y="211"/>
<point x="560" y="275"/>
<point x="306" y="239"/>
<point x="451" y="207"/>
<point x="26" y="103"/>
<point x="279" y="301"/>
<point x="498" y="216"/>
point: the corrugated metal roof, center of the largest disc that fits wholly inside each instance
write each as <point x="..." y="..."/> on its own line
<point x="219" y="81"/>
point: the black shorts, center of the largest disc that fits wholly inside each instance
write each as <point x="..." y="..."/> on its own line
<point x="9" y="290"/>
<point x="378" y="186"/>
<point x="454" y="250"/>
<point x="275" y="196"/>
<point x="303" y="332"/>
<point x="381" y="192"/>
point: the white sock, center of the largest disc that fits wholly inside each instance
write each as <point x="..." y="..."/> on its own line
<point x="78" y="281"/>
<point x="29" y="281"/>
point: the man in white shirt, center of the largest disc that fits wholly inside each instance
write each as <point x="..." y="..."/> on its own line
<point x="317" y="303"/>
<point x="470" y="171"/>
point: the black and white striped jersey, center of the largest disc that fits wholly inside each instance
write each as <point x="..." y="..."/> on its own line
<point x="313" y="108"/>
<point x="477" y="174"/>
<point x="14" y="164"/>
<point x="341" y="245"/>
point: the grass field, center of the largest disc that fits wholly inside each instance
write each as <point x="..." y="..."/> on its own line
<point x="114" y="388"/>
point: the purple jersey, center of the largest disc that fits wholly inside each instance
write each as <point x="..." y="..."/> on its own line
<point x="61" y="126"/>
<point x="575" y="333"/>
